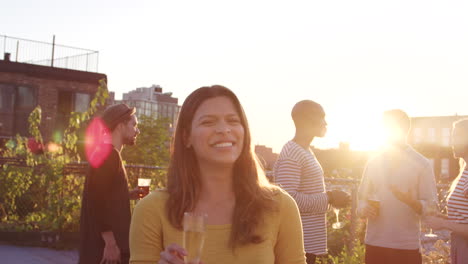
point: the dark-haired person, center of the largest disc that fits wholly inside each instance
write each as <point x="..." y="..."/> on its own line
<point x="457" y="201"/>
<point x="105" y="212"/>
<point x="402" y="181"/>
<point x="213" y="171"/>
<point x="299" y="173"/>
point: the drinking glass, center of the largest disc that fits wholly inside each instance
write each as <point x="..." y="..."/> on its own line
<point x="375" y="203"/>
<point x="431" y="209"/>
<point x="194" y="236"/>
<point x="337" y="224"/>
<point x="143" y="185"/>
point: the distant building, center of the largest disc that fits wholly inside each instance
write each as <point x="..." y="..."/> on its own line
<point x="432" y="136"/>
<point x="153" y="102"/>
<point x="266" y="156"/>
<point x="55" y="84"/>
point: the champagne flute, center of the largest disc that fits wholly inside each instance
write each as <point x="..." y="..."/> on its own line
<point x="337" y="224"/>
<point x="430" y="210"/>
<point x="194" y="225"/>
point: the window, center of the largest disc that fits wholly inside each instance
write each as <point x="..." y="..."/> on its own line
<point x="82" y="101"/>
<point x="25" y="102"/>
<point x="16" y="103"/>
<point x="444" y="168"/>
<point x="446" y="136"/>
<point x="25" y="98"/>
<point x="417" y="137"/>
<point x="7" y="100"/>
<point x="431" y="135"/>
<point x="68" y="102"/>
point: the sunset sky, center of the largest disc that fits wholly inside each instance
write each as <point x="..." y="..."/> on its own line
<point x="356" y="58"/>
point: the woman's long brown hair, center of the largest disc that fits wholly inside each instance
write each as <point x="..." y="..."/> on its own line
<point x="253" y="193"/>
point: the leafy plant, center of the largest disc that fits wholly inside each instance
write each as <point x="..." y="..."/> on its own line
<point x="39" y="181"/>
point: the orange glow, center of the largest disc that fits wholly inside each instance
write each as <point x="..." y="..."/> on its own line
<point x="53" y="147"/>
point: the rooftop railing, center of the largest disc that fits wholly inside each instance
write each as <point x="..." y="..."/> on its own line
<point x="48" y="54"/>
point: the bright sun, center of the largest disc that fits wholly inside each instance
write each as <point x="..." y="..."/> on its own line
<point x="365" y="134"/>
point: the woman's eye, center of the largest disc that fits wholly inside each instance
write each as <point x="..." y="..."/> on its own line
<point x="234" y="121"/>
<point x="207" y="122"/>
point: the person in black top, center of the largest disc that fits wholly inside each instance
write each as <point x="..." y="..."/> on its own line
<point x="105" y="210"/>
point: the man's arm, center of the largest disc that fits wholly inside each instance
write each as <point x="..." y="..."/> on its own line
<point x="427" y="192"/>
<point x="100" y="188"/>
<point x="288" y="176"/>
<point x="364" y="209"/>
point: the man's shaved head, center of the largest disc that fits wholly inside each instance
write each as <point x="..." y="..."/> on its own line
<point x="309" y="118"/>
<point x="304" y="110"/>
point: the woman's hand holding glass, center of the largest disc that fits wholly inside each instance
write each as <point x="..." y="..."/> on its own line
<point x="193" y="239"/>
<point x="430" y="210"/>
<point x="173" y="254"/>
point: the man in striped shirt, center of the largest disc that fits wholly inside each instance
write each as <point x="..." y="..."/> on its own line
<point x="299" y="173"/>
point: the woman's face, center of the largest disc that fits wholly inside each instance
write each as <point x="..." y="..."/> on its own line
<point x="217" y="135"/>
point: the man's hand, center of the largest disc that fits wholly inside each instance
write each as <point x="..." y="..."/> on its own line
<point x="407" y="198"/>
<point x="435" y="222"/>
<point x="338" y="198"/>
<point x="111" y="254"/>
<point x="370" y="212"/>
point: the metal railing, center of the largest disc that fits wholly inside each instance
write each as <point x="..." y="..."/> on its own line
<point x="35" y="199"/>
<point x="48" y="54"/>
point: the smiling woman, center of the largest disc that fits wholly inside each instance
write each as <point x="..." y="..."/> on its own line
<point x="213" y="173"/>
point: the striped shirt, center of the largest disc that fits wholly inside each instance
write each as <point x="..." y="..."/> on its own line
<point x="457" y="205"/>
<point x="299" y="173"/>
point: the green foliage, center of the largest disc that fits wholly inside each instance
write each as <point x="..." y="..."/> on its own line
<point x="355" y="255"/>
<point x="151" y="149"/>
<point x="50" y="198"/>
<point x="152" y="146"/>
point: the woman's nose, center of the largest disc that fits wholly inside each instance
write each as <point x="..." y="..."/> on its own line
<point x="223" y="128"/>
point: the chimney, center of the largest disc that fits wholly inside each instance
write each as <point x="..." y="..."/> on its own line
<point x="6" y="56"/>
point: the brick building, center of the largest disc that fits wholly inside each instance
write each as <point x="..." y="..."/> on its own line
<point x="432" y="136"/>
<point x="58" y="91"/>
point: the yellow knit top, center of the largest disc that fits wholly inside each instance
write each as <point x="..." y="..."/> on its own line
<point x="151" y="232"/>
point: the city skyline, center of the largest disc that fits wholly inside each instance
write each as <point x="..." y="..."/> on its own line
<point x="355" y="58"/>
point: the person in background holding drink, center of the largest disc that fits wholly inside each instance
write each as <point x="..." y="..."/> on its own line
<point x="457" y="202"/>
<point x="396" y="185"/>
<point x="299" y="173"/>
<point x="213" y="172"/>
<point x="105" y="210"/>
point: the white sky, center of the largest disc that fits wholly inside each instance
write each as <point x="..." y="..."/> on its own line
<point x="356" y="58"/>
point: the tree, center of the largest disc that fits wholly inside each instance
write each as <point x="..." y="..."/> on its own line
<point x="152" y="147"/>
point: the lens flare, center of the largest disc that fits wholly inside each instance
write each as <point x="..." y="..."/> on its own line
<point x="57" y="137"/>
<point x="98" y="142"/>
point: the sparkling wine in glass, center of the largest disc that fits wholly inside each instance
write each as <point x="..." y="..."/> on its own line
<point x="194" y="236"/>
<point x="431" y="209"/>
<point x="337" y="224"/>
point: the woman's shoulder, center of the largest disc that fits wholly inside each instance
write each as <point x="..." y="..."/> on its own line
<point x="156" y="199"/>
<point x="283" y="198"/>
